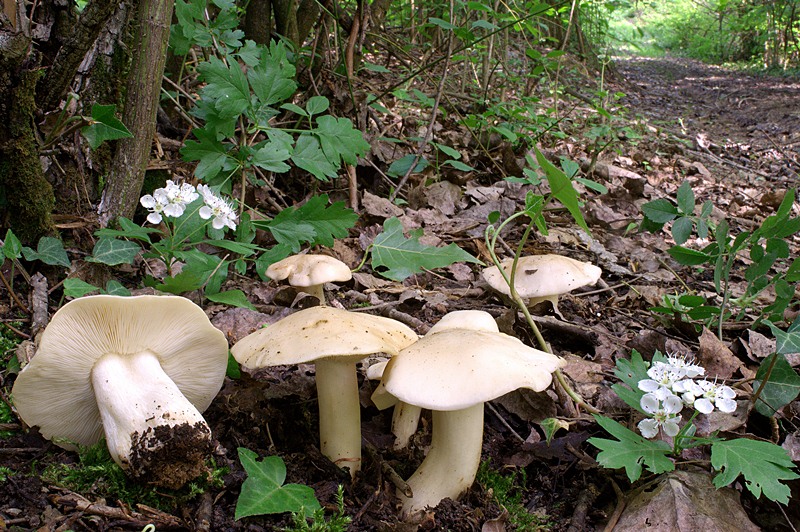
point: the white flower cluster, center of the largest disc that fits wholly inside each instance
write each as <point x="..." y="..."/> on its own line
<point x="671" y="386"/>
<point x="171" y="201"/>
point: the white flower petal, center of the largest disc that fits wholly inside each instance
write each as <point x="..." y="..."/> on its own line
<point x="648" y="427"/>
<point x="648" y="385"/>
<point x="650" y="403"/>
<point x="673" y="404"/>
<point x="205" y="212"/>
<point x="704" y="406"/>
<point x="154" y="218"/>
<point x="726" y="405"/>
<point x="671" y="427"/>
<point x="148" y="201"/>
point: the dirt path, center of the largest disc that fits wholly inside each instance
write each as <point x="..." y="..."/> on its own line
<point x="752" y="120"/>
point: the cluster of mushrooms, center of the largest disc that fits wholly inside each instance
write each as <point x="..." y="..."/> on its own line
<point x="140" y="370"/>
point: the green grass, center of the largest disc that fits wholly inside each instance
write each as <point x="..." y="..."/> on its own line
<point x="507" y="491"/>
<point x="317" y="523"/>
<point x="8" y="365"/>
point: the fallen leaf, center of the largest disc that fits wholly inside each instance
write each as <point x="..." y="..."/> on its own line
<point x="719" y="361"/>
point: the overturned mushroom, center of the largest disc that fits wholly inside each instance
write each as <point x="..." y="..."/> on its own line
<point x="138" y="370"/>
<point x="453" y="372"/>
<point x="542" y="277"/>
<point x="310" y="272"/>
<point x="335" y="340"/>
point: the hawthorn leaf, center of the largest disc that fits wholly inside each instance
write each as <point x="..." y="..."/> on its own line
<point x="226" y="85"/>
<point x="763" y="464"/>
<point x="309" y="156"/>
<point x="403" y="257"/>
<point x="210" y="153"/>
<point x="630" y="450"/>
<point x="340" y="140"/>
<point x="315" y="222"/>
<point x="271" y="156"/>
<point x="234" y="298"/>
<point x="263" y="491"/>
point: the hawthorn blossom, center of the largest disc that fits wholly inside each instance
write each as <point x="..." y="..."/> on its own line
<point x="170" y="201"/>
<point x="665" y="415"/>
<point x="662" y="378"/>
<point x="217" y="208"/>
<point x="704" y="395"/>
<point x="685" y="366"/>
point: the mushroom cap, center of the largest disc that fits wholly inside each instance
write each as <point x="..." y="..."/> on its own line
<point x="458" y="368"/>
<point x="476" y="320"/>
<point x="309" y="270"/>
<point x="322" y="332"/>
<point x="543" y="275"/>
<point x="54" y="391"/>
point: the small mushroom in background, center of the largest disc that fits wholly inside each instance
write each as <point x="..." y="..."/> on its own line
<point x="543" y="277"/>
<point x="453" y="372"/>
<point x="310" y="272"/>
<point x="334" y="340"/>
<point x="405" y="417"/>
<point x="138" y="370"/>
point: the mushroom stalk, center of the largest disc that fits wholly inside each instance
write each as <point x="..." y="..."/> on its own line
<point x="452" y="462"/>
<point x="339" y="412"/>
<point x="151" y="429"/>
<point x="405" y="420"/>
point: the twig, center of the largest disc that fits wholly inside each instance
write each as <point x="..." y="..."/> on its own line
<point x="614" y="519"/>
<point x="494" y="411"/>
<point x="140" y="519"/>
<point x="39" y="304"/>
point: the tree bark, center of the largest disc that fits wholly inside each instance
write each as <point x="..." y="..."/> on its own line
<point x="124" y="184"/>
<point x="258" y="21"/>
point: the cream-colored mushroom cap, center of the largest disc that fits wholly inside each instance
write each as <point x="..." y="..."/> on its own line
<point x="54" y="391"/>
<point x="542" y="276"/>
<point x="321" y="332"/>
<point x="454" y="369"/>
<point x="309" y="270"/>
<point x="476" y="320"/>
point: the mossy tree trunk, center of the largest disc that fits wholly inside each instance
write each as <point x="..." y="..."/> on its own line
<point x="143" y="90"/>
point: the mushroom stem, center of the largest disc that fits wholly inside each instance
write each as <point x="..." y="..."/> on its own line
<point x="452" y="462"/>
<point x="405" y="420"/>
<point x="316" y="290"/>
<point x="339" y="412"/>
<point x="151" y="429"/>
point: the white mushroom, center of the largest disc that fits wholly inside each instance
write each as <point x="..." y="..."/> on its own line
<point x="335" y="340"/>
<point x="138" y="370"/>
<point x="453" y="372"/>
<point x="310" y="272"/>
<point x="405" y="417"/>
<point x="543" y="277"/>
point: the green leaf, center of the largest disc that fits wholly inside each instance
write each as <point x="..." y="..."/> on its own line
<point x="272" y="79"/>
<point x="682" y="229"/>
<point x="263" y="493"/>
<point x="782" y="386"/>
<point x="688" y="257"/>
<point x="400" y="166"/>
<point x="315" y="222"/>
<point x="105" y="126"/>
<point x="75" y="288"/>
<point x="234" y="298"/>
<point x="561" y="188"/>
<point x="309" y="156"/>
<point x="551" y="425"/>
<point x="200" y="271"/>
<point x="48" y="250"/>
<point x="685" y="197"/>
<point x="630" y="372"/>
<point x="271" y="156"/>
<point x="631" y="451"/>
<point x="458" y="165"/>
<point x="660" y="211"/>
<point x="211" y="154"/>
<point x="763" y="465"/>
<point x="226" y="86"/>
<point x="233" y="371"/>
<point x="340" y="140"/>
<point x="115" y="288"/>
<point x="789" y="341"/>
<point x="317" y="104"/>
<point x="403" y="257"/>
<point x="12" y="247"/>
<point x="112" y="251"/>
<point x="128" y="229"/>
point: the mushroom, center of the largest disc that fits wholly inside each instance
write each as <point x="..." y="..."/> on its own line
<point x="310" y="272"/>
<point x="138" y="370"/>
<point x="453" y="372"/>
<point x="543" y="277"/>
<point x="405" y="417"/>
<point x="335" y="340"/>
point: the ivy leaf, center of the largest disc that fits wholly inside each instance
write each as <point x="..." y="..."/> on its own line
<point x="403" y="257"/>
<point x="75" y="288"/>
<point x="210" y="153"/>
<point x="631" y="451"/>
<point x="48" y="250"/>
<point x="309" y="156"/>
<point x="340" y="140"/>
<point x="263" y="491"/>
<point x="789" y="341"/>
<point x="112" y="251"/>
<point x="782" y="386"/>
<point x="104" y="126"/>
<point x="128" y="229"/>
<point x="234" y="298"/>
<point x="763" y="465"/>
<point x="12" y="247"/>
<point x="115" y="288"/>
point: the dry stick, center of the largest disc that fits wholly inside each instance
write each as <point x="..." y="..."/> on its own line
<point x="39" y="304"/>
<point x="16" y="299"/>
<point x="621" y="502"/>
<point x="148" y="515"/>
<point x="494" y="411"/>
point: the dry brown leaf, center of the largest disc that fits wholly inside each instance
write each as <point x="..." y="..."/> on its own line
<point x="715" y="356"/>
<point x="498" y="524"/>
<point x="684" y="501"/>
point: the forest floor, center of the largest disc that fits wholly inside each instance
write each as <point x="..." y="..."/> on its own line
<point x="734" y="136"/>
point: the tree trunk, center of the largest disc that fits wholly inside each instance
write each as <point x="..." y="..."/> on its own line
<point x="258" y="21"/>
<point x="143" y="91"/>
